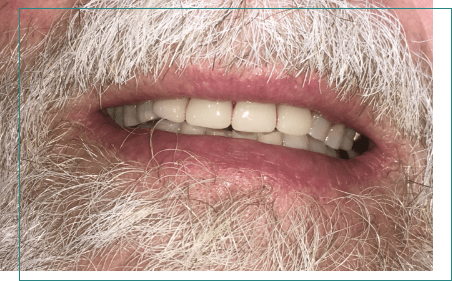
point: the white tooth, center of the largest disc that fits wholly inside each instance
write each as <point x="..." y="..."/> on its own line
<point x="347" y="139"/>
<point x="111" y="112"/>
<point x="209" y="114"/>
<point x="145" y="112"/>
<point x="168" y="126"/>
<point x="335" y="135"/>
<point x="119" y="116"/>
<point x="221" y="133"/>
<point x="331" y="152"/>
<point x="293" y="120"/>
<point x="274" y="137"/>
<point x="317" y="146"/>
<point x="172" y="110"/>
<point x="254" y="117"/>
<point x="320" y="127"/>
<point x="299" y="142"/>
<point x="130" y="115"/>
<point x="352" y="154"/>
<point x="188" y="129"/>
<point x="242" y="135"/>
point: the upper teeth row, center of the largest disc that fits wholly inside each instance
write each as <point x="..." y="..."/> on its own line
<point x="249" y="117"/>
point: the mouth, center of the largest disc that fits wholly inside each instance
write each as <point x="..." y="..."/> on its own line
<point x="344" y="152"/>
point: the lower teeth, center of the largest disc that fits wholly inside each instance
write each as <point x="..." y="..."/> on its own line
<point x="305" y="142"/>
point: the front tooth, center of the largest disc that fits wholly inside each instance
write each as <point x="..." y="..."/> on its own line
<point x="299" y="142"/>
<point x="243" y="135"/>
<point x="335" y="135"/>
<point x="254" y="117"/>
<point x="145" y="112"/>
<point x="221" y="133"/>
<point x="320" y="127"/>
<point x="317" y="146"/>
<point x="347" y="139"/>
<point x="293" y="120"/>
<point x="111" y="112"/>
<point x="209" y="114"/>
<point x="188" y="129"/>
<point x="130" y="115"/>
<point x="172" y="110"/>
<point x="275" y="138"/>
<point x="119" y="116"/>
<point x="351" y="154"/>
<point x="169" y="126"/>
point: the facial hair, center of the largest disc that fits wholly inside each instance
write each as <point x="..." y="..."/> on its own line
<point x="94" y="205"/>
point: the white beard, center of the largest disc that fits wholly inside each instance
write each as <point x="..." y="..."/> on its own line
<point x="61" y="227"/>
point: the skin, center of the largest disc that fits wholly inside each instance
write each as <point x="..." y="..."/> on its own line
<point x="417" y="23"/>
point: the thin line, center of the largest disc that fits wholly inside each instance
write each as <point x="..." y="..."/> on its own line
<point x="19" y="142"/>
<point x="237" y="8"/>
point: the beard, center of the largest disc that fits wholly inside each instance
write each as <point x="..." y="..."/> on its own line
<point x="83" y="208"/>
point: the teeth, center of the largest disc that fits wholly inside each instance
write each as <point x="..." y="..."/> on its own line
<point x="293" y="120"/>
<point x="299" y="142"/>
<point x="317" y="146"/>
<point x="242" y="135"/>
<point x="209" y="114"/>
<point x="221" y="133"/>
<point x="335" y="135"/>
<point x="119" y="116"/>
<point x="188" y="129"/>
<point x="347" y="139"/>
<point x="172" y="110"/>
<point x="331" y="152"/>
<point x="145" y="112"/>
<point x="130" y="116"/>
<point x="111" y="112"/>
<point x="254" y="117"/>
<point x="275" y="138"/>
<point x="320" y="127"/>
<point x="295" y="128"/>
<point x="169" y="126"/>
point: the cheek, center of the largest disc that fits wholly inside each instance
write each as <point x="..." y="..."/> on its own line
<point x="40" y="19"/>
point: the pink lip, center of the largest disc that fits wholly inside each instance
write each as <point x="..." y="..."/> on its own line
<point x="288" y="168"/>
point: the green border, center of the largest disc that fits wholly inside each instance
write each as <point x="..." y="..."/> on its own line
<point x="442" y="258"/>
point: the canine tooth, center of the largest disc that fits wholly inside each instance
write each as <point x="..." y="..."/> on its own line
<point x="188" y="129"/>
<point x="254" y="117"/>
<point x="317" y="146"/>
<point x="274" y="137"/>
<point x="320" y="127"/>
<point x="145" y="112"/>
<point x="172" y="110"/>
<point x="347" y="139"/>
<point x="221" y="133"/>
<point x="243" y="135"/>
<point x="300" y="142"/>
<point x="209" y="114"/>
<point x="335" y="135"/>
<point x="169" y="126"/>
<point x="293" y="120"/>
<point x="119" y="116"/>
<point x="111" y="112"/>
<point x="130" y="115"/>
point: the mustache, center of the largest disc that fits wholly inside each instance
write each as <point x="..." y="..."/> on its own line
<point x="85" y="215"/>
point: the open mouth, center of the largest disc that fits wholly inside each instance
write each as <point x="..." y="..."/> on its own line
<point x="298" y="134"/>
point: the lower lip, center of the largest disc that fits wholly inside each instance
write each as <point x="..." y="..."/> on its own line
<point x="282" y="167"/>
